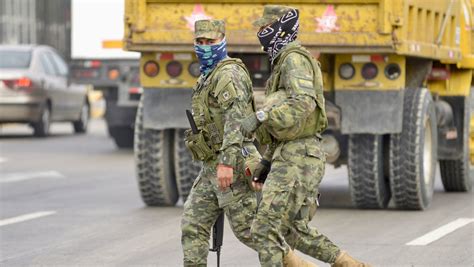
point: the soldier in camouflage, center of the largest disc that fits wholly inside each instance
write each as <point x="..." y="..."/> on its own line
<point x="221" y="98"/>
<point x="291" y="120"/>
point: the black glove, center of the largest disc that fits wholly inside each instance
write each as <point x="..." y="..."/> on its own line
<point x="261" y="171"/>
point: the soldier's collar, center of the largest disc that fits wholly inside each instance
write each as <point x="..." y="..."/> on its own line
<point x="286" y="47"/>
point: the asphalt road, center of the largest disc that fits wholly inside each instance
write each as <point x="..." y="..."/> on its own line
<point x="72" y="200"/>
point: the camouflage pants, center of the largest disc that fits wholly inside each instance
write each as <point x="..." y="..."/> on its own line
<point x="204" y="205"/>
<point x="289" y="203"/>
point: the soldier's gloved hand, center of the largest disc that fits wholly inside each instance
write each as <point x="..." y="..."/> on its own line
<point x="224" y="176"/>
<point x="261" y="173"/>
<point x="249" y="124"/>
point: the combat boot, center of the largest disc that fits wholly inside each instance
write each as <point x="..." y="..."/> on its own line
<point x="345" y="260"/>
<point x="293" y="260"/>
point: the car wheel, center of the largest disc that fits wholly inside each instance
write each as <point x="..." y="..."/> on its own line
<point x="41" y="127"/>
<point x="80" y="126"/>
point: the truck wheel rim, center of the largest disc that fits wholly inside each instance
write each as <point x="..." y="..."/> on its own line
<point x="427" y="154"/>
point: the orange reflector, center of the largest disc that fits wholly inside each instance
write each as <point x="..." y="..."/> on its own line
<point x="113" y="74"/>
<point x="112" y="44"/>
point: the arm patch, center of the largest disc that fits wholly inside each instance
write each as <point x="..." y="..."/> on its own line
<point x="225" y="92"/>
<point x="297" y="82"/>
<point x="298" y="78"/>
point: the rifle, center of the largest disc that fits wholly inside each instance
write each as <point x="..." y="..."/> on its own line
<point x="192" y="123"/>
<point x="218" y="227"/>
<point x="218" y="237"/>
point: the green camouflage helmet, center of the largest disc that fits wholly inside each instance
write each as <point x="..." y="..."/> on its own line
<point x="210" y="29"/>
<point x="271" y="13"/>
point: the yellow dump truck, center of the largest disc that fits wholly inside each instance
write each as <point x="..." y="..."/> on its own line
<point x="397" y="77"/>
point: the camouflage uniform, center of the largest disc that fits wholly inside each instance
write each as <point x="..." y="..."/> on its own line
<point x="290" y="192"/>
<point x="225" y="97"/>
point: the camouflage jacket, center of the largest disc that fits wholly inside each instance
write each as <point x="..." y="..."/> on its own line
<point x="296" y="78"/>
<point x="229" y="100"/>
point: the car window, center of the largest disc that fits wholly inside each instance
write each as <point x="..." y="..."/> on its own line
<point x="49" y="55"/>
<point x="47" y="64"/>
<point x="59" y="63"/>
<point x="15" y="59"/>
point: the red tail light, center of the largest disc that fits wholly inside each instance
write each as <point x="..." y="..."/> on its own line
<point x="174" y="69"/>
<point x="369" y="71"/>
<point x="92" y="64"/>
<point x="22" y="83"/>
<point x="134" y="90"/>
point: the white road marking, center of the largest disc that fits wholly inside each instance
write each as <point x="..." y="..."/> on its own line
<point x="15" y="177"/>
<point x="440" y="232"/>
<point x="26" y="217"/>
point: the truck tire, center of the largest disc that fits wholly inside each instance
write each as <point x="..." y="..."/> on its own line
<point x="368" y="186"/>
<point x="42" y="126"/>
<point x="80" y="126"/>
<point x="413" y="152"/>
<point x="455" y="173"/>
<point x="153" y="163"/>
<point x="123" y="136"/>
<point x="186" y="169"/>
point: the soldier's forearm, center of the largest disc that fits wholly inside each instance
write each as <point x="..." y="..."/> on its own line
<point x="228" y="156"/>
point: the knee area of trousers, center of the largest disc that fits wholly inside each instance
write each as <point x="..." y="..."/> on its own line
<point x="189" y="229"/>
<point x="255" y="230"/>
<point x="260" y="230"/>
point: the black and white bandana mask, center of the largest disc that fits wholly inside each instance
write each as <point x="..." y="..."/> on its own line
<point x="283" y="31"/>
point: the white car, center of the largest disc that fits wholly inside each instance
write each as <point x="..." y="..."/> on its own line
<point x="35" y="88"/>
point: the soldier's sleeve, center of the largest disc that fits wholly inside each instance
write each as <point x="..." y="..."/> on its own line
<point x="233" y="93"/>
<point x="297" y="80"/>
<point x="268" y="155"/>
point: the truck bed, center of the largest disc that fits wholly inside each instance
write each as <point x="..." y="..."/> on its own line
<point x="425" y="28"/>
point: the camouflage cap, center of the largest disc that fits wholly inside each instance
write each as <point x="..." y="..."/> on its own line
<point x="210" y="29"/>
<point x="271" y="13"/>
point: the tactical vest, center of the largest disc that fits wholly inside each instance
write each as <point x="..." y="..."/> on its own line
<point x="210" y="120"/>
<point x="317" y="120"/>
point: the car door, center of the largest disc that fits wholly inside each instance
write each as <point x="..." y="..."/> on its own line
<point x="75" y="94"/>
<point x="63" y="86"/>
<point x="51" y="85"/>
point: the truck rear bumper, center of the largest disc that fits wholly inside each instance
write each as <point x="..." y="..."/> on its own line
<point x="165" y="108"/>
<point x="368" y="111"/>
